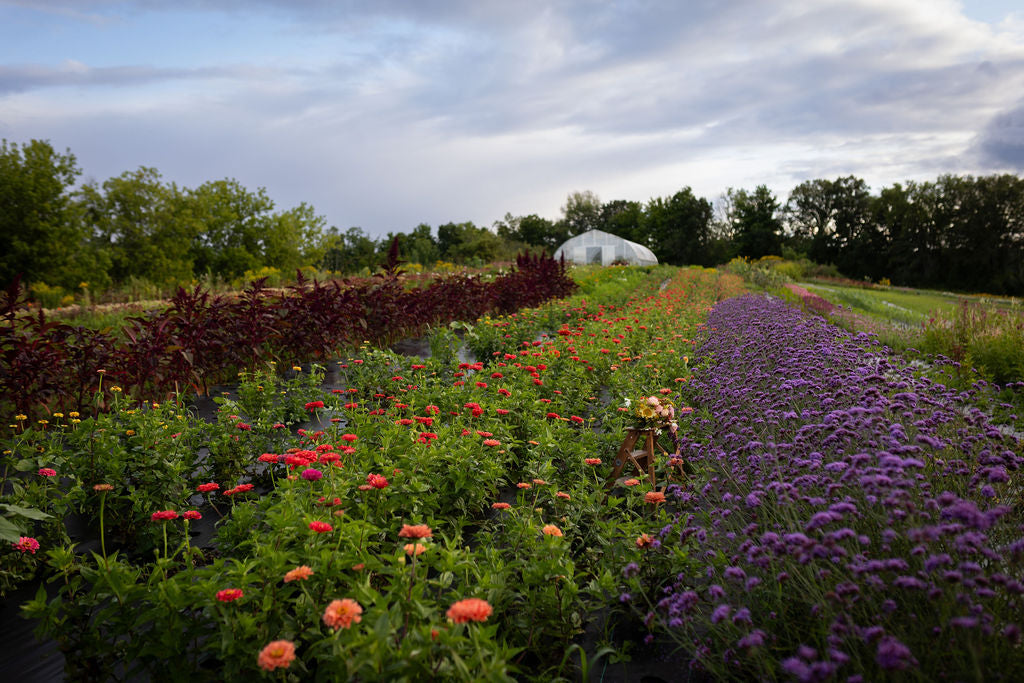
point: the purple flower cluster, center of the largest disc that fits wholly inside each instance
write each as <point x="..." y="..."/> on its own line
<point x="849" y="516"/>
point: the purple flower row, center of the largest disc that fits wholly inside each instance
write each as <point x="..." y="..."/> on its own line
<point x="849" y="517"/>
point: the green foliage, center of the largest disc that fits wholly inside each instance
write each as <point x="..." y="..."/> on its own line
<point x="41" y="234"/>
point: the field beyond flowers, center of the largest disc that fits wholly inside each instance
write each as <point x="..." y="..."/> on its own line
<point x="822" y="513"/>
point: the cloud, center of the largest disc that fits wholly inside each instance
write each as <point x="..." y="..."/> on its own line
<point x="389" y="113"/>
<point x="1001" y="143"/>
<point x="22" y="78"/>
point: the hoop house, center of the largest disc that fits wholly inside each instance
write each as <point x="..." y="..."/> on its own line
<point x="597" y="247"/>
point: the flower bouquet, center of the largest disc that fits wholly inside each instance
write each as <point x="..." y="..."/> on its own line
<point x="652" y="412"/>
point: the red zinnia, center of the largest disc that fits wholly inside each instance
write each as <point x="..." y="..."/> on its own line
<point x="377" y="481"/>
<point x="163" y="515"/>
<point x="229" y="594"/>
<point x="320" y="527"/>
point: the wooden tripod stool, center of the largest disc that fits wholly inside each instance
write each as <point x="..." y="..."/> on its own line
<point x="640" y="460"/>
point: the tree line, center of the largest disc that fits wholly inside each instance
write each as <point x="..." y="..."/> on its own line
<point x="957" y="232"/>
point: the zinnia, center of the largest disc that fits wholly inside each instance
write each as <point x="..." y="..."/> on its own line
<point x="491" y="442"/>
<point x="163" y="515"/>
<point x="229" y="594"/>
<point x="342" y="613"/>
<point x="593" y="461"/>
<point x="298" y="574"/>
<point x="500" y="506"/>
<point x="320" y="527"/>
<point x="279" y="653"/>
<point x="206" y="488"/>
<point x="417" y="548"/>
<point x="377" y="481"/>
<point x="552" y="530"/>
<point x="26" y="543"/>
<point x="192" y="514"/>
<point x="470" y="609"/>
<point x="415" y="531"/>
<point x="47" y="472"/>
<point x="644" y="541"/>
<point x="654" y="497"/>
<point x="312" y="474"/>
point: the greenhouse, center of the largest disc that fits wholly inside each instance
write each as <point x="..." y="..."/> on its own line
<point x="597" y="247"/>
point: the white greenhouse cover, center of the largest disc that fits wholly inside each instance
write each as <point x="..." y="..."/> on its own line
<point x="603" y="248"/>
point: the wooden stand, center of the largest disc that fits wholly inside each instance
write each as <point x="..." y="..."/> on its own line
<point x="636" y="455"/>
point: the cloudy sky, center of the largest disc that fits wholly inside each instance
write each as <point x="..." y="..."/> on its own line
<point x="384" y="114"/>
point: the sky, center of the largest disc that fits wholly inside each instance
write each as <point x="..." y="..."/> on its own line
<point x="386" y="114"/>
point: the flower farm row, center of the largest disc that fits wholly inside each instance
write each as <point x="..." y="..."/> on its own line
<point x="202" y="339"/>
<point x="839" y="519"/>
<point x="439" y="520"/>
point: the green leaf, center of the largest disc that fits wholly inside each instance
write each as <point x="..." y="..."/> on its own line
<point x="10" y="532"/>
<point x="31" y="513"/>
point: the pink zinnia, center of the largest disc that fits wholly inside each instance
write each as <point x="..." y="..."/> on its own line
<point x="229" y="594"/>
<point x="492" y="442"/>
<point x="47" y="472"/>
<point x="321" y="527"/>
<point x="163" y="515"/>
<point x="312" y="474"/>
<point x="500" y="506"/>
<point x="415" y="531"/>
<point x="191" y="514"/>
<point x="27" y="544"/>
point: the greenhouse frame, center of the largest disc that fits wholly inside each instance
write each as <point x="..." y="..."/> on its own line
<point x="596" y="247"/>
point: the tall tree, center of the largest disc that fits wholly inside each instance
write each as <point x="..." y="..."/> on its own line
<point x="582" y="212"/>
<point x="758" y="227"/>
<point x="625" y="219"/>
<point x="678" y="228"/>
<point x="831" y="221"/>
<point x="143" y="225"/>
<point x="234" y="221"/>
<point x="41" y="235"/>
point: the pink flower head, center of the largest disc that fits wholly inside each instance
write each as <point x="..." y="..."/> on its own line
<point x="314" y="405"/>
<point x="229" y="594"/>
<point x="206" y="488"/>
<point x="321" y="527"/>
<point x="163" y="515"/>
<point x="191" y="514"/>
<point x="47" y="472"/>
<point x="312" y="474"/>
<point x="26" y="544"/>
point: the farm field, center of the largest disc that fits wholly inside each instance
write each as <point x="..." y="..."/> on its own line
<point x="822" y="512"/>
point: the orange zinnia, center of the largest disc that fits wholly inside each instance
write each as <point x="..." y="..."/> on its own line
<point x="299" y="573"/>
<point x="343" y="613"/>
<point x="417" y="548"/>
<point x="279" y="653"/>
<point x="470" y="609"/>
<point x="644" y="541"/>
<point x="654" y="497"/>
<point x="552" y="530"/>
<point x="415" y="531"/>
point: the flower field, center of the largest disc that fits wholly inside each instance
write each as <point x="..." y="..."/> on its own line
<point x="822" y="513"/>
